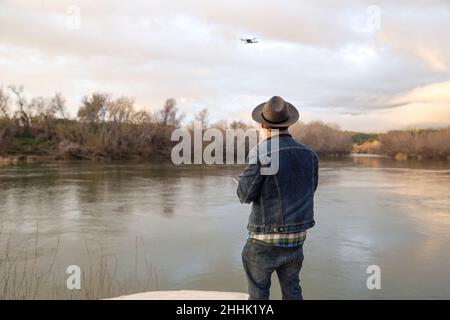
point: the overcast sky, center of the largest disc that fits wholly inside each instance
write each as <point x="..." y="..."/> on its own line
<point x="369" y="66"/>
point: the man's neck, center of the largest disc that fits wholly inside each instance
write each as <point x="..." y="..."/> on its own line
<point x="274" y="133"/>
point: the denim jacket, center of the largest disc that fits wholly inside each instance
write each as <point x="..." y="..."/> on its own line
<point x="282" y="201"/>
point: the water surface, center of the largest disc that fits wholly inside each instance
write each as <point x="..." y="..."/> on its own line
<point x="190" y="226"/>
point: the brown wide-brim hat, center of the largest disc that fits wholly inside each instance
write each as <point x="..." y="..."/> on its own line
<point x="275" y="113"/>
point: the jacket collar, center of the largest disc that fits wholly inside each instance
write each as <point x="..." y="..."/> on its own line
<point x="279" y="135"/>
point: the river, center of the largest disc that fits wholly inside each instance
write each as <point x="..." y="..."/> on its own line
<point x="187" y="223"/>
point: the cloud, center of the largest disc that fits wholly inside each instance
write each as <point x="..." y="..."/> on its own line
<point x="323" y="56"/>
<point x="418" y="32"/>
<point x="432" y="93"/>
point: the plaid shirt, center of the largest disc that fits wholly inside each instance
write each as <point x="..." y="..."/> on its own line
<point x="285" y="240"/>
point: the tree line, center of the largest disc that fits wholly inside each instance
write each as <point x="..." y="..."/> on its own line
<point x="107" y="127"/>
<point x="418" y="144"/>
<point x="103" y="128"/>
<point x="112" y="128"/>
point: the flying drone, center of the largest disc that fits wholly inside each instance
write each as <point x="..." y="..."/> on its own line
<point x="249" y="40"/>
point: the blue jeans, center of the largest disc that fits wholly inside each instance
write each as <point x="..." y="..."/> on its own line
<point x="261" y="260"/>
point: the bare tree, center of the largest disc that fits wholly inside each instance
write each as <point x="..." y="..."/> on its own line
<point x="121" y="110"/>
<point x="202" y="117"/>
<point x="21" y="103"/>
<point x="169" y="116"/>
<point x="39" y="107"/>
<point x="58" y="103"/>
<point x="239" y="125"/>
<point x="42" y="110"/>
<point x="4" y="104"/>
<point x="93" y="109"/>
<point x="142" y="116"/>
<point x="220" y="124"/>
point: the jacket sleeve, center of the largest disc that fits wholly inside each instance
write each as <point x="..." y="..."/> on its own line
<point x="316" y="171"/>
<point x="250" y="184"/>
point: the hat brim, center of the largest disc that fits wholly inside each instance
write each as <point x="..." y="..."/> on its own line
<point x="292" y="112"/>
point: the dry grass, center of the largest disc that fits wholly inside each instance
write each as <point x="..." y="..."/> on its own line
<point x="20" y="277"/>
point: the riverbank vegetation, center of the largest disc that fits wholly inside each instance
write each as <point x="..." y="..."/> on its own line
<point x="112" y="128"/>
<point x="107" y="127"/>
<point x="324" y="139"/>
<point x="104" y="128"/>
<point x="24" y="276"/>
<point x="418" y="144"/>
